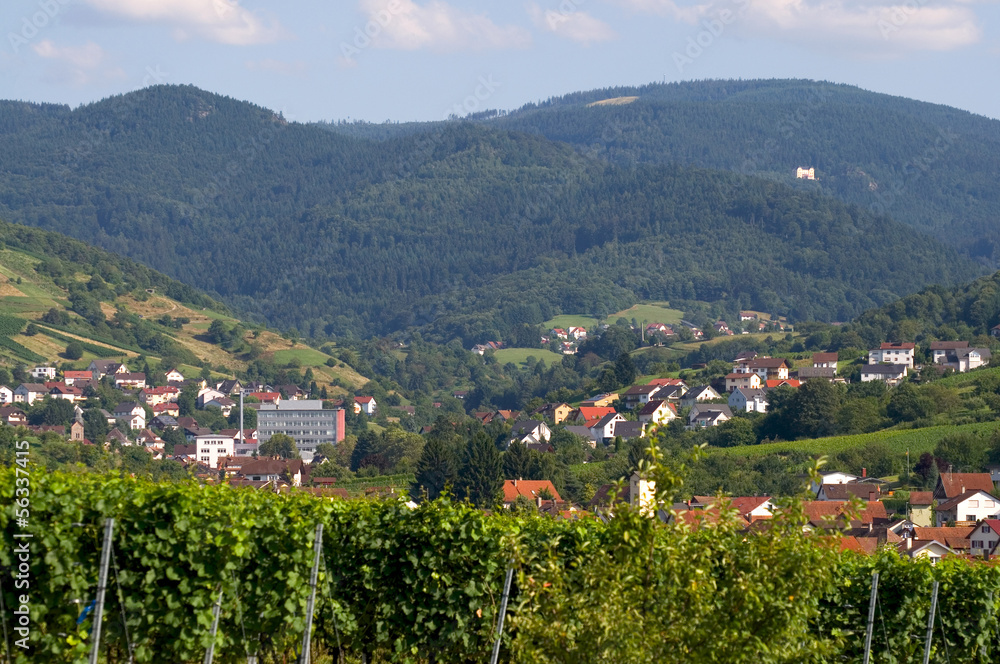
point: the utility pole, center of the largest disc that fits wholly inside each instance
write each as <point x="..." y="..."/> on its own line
<point x="102" y="585"/>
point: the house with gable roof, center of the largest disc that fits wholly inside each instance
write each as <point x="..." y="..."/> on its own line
<point x="639" y="395"/>
<point x="893" y="352"/>
<point x="953" y="484"/>
<point x="657" y="411"/>
<point x="748" y="400"/>
<point x="971" y="505"/>
<point x="366" y="405"/>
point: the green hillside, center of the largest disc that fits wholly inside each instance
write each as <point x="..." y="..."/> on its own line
<point x="56" y="291"/>
<point x="462" y="230"/>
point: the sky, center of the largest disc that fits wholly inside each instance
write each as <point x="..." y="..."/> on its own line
<point x="400" y="60"/>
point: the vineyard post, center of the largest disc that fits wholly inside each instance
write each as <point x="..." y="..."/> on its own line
<point x="318" y="546"/>
<point x="871" y="618"/>
<point x="102" y="584"/>
<point x="930" y="623"/>
<point x="216" y="610"/>
<point x="503" y="611"/>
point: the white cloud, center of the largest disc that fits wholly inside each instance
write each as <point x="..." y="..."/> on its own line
<point x="572" y="24"/>
<point x="297" y="68"/>
<point x="687" y="14"/>
<point x="77" y="65"/>
<point x="879" y="28"/>
<point x="853" y="27"/>
<point x="222" y="21"/>
<point x="436" y="26"/>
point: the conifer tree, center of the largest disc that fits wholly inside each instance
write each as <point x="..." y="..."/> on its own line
<point x="436" y="470"/>
<point x="480" y="478"/>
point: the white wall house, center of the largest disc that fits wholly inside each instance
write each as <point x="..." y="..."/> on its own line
<point x="972" y="506"/>
<point x="888" y="373"/>
<point x="893" y="353"/>
<point x="210" y="448"/>
<point x="43" y="373"/>
<point x="748" y="400"/>
<point x="985" y="537"/>
<point x="131" y="412"/>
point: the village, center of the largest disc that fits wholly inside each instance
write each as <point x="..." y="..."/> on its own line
<point x="960" y="516"/>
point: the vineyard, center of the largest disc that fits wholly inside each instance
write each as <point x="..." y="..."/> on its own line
<point x="424" y="585"/>
<point x="9" y="326"/>
<point x="98" y="351"/>
<point x="898" y="441"/>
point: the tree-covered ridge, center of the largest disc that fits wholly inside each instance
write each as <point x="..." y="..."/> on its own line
<point x="937" y="313"/>
<point x="467" y="229"/>
<point x="927" y="165"/>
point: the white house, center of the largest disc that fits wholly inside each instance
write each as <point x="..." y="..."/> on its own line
<point x="130" y="381"/>
<point x="29" y="392"/>
<point x="43" y="373"/>
<point x="535" y="429"/>
<point x="174" y="376"/>
<point x="131" y="412"/>
<point x="833" y="477"/>
<point x="768" y="368"/>
<point x="961" y="359"/>
<point x="6" y="394"/>
<point x="604" y="428"/>
<point x="974" y="505"/>
<point x="699" y="393"/>
<point x="748" y="400"/>
<point x="639" y="395"/>
<point x="657" y="412"/>
<point x="931" y="550"/>
<point x="896" y="352"/>
<point x="207" y="394"/>
<point x="708" y="415"/>
<point x="985" y="537"/>
<point x="366" y="405"/>
<point x="825" y="360"/>
<point x="743" y="380"/>
<point x="225" y="404"/>
<point x="211" y="447"/>
<point x="889" y="373"/>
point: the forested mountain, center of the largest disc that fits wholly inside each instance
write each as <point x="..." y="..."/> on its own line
<point x="466" y="230"/>
<point x="936" y="313"/>
<point x="930" y="166"/>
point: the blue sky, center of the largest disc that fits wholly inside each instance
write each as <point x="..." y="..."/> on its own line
<point x="424" y="59"/>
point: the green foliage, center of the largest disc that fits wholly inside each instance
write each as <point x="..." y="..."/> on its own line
<point x="279" y="445"/>
<point x="74" y="350"/>
<point x="10" y="325"/>
<point x="479" y="478"/>
<point x="591" y="237"/>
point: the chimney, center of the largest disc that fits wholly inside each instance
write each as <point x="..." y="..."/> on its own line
<point x="909" y="543"/>
<point x="963" y="489"/>
<point x="864" y="472"/>
<point x="872" y="496"/>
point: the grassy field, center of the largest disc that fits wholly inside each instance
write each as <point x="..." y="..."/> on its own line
<point x="566" y="321"/>
<point x="37" y="293"/>
<point x="520" y="355"/>
<point x="897" y="441"/>
<point x="307" y="356"/>
<point x="653" y="312"/>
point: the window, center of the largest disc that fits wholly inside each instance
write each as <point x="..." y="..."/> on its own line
<point x="985" y="529"/>
<point x="973" y="503"/>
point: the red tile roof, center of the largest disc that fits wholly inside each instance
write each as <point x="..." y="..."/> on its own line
<point x="955" y="483"/>
<point x="530" y="489"/>
<point x="894" y="345"/>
